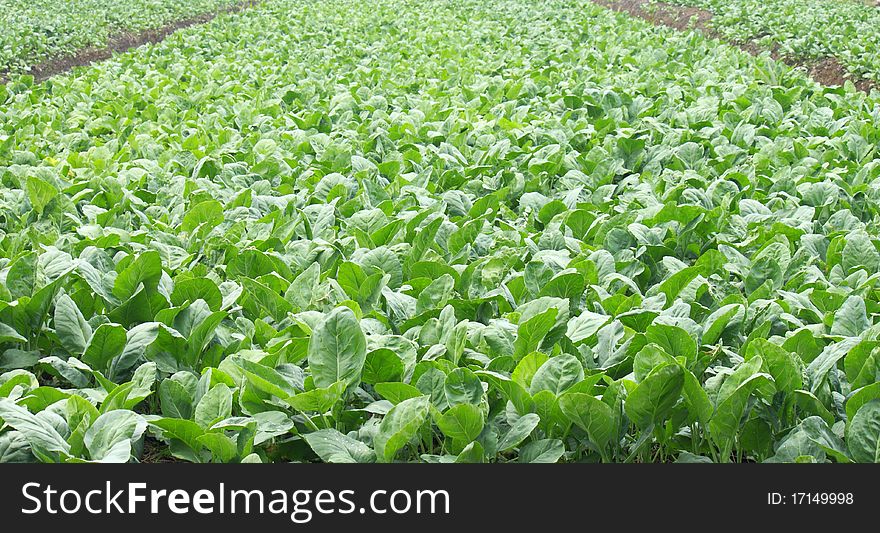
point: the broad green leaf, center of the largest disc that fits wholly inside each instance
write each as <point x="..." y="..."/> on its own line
<point x="110" y="437"/>
<point x="462" y="422"/>
<point x="542" y="451"/>
<point x="557" y="374"/>
<point x="70" y="325"/>
<point x="41" y="435"/>
<point x="399" y="426"/>
<point x="863" y="433"/>
<point x="215" y="405"/>
<point x="519" y="431"/>
<point x="337" y="349"/>
<point x="591" y="415"/>
<point x="651" y="402"/>
<point x="335" y="447"/>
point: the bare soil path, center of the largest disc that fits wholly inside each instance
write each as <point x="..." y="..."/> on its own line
<point x="827" y="71"/>
<point x="122" y="42"/>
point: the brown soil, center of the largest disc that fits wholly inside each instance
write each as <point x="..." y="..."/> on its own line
<point x="678" y="17"/>
<point x="121" y="43"/>
<point x="827" y="71"/>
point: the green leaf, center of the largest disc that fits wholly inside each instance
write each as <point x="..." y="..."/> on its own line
<point x="8" y="334"/>
<point x="41" y="435"/>
<point x="110" y="438"/>
<point x="860" y="397"/>
<point x="145" y="269"/>
<point x="542" y="451"/>
<point x="40" y="193"/>
<point x="785" y="367"/>
<point x="382" y="365"/>
<point x="335" y="447"/>
<point x="190" y="290"/>
<point x="186" y="431"/>
<point x="266" y="379"/>
<point x="436" y="294"/>
<point x="462" y="422"/>
<point x="462" y="386"/>
<point x="651" y="402"/>
<point x="107" y="343"/>
<point x="399" y="426"/>
<point x="175" y="400"/>
<point x="531" y="332"/>
<point x="70" y="325"/>
<point x="585" y="325"/>
<point x="215" y="405"/>
<point x="527" y="367"/>
<point x="209" y="213"/>
<point x="557" y="374"/>
<point x="319" y="400"/>
<point x="337" y="349"/>
<point x="851" y="319"/>
<point x="511" y="390"/>
<point x="519" y="431"/>
<point x="590" y="414"/>
<point x="724" y="425"/>
<point x="863" y="433"/>
<point x="397" y="392"/>
<point x="673" y="340"/>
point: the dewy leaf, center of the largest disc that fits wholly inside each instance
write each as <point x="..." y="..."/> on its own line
<point x="337" y="349"/>
<point x="399" y="426"/>
<point x="335" y="447"/>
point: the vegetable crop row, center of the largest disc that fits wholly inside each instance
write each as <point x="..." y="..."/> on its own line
<point x="464" y="230"/>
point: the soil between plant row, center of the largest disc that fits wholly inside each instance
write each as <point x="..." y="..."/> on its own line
<point x="122" y="42"/>
<point x="827" y="71"/>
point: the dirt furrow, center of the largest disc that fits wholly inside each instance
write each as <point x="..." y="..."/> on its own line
<point x="827" y="71"/>
<point x="122" y="42"/>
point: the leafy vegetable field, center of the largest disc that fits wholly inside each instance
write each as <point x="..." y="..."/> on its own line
<point x="36" y="30"/>
<point x="843" y="29"/>
<point x="440" y="231"/>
